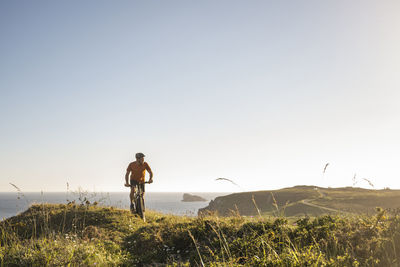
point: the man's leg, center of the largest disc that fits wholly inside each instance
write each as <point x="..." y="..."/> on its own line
<point x="143" y="197"/>
<point x="131" y="197"/>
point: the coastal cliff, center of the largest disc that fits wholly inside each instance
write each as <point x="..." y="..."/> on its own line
<point x="304" y="200"/>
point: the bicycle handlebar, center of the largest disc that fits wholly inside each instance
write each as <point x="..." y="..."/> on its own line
<point x="146" y="182"/>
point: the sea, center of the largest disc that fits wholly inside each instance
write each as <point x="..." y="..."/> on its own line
<point x="164" y="202"/>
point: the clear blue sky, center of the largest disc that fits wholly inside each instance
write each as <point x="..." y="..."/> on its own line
<point x="262" y="92"/>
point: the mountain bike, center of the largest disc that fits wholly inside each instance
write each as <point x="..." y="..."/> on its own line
<point x="138" y="199"/>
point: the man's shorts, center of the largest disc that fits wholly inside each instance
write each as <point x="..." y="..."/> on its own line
<point x="135" y="183"/>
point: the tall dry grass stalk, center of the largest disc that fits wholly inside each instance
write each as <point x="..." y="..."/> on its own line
<point x="19" y="193"/>
<point x="197" y="248"/>
<point x="275" y="203"/>
<point x="354" y="179"/>
<point x="222" y="240"/>
<point x="326" y="166"/>
<point x="231" y="181"/>
<point x="255" y="205"/>
<point x="369" y="182"/>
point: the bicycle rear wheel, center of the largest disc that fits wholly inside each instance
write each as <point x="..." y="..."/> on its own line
<point x="132" y="207"/>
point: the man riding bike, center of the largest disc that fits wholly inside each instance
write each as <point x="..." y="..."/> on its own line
<point x="137" y="171"/>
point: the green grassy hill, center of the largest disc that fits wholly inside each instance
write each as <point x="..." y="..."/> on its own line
<point x="87" y="235"/>
<point x="305" y="200"/>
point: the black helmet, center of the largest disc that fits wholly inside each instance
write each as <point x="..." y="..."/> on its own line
<point x="139" y="155"/>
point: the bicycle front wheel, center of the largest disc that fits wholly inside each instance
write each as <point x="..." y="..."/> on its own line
<point x="140" y="207"/>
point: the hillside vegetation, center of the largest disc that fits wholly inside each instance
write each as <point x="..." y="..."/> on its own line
<point x="87" y="235"/>
<point x="305" y="200"/>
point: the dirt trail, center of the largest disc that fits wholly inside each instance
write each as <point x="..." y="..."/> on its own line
<point x="306" y="202"/>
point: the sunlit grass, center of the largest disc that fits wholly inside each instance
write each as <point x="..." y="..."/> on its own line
<point x="88" y="235"/>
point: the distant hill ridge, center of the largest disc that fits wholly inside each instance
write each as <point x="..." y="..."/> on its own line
<point x="305" y="200"/>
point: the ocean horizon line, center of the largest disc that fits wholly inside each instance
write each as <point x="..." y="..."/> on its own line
<point x="73" y="191"/>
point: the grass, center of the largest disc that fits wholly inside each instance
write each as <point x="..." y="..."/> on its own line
<point x="90" y="235"/>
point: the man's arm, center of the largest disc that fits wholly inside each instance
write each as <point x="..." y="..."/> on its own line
<point x="127" y="177"/>
<point x="150" y="172"/>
